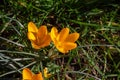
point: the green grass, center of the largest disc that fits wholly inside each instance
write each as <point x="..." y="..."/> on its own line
<point x="98" y="51"/>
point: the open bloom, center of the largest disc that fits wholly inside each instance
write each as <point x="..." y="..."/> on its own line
<point x="63" y="40"/>
<point x="28" y="75"/>
<point x="39" y="37"/>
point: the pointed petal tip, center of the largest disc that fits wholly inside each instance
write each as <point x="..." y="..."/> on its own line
<point x="63" y="34"/>
<point x="32" y="27"/>
<point x="26" y="74"/>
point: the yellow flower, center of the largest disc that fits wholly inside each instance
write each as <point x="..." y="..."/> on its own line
<point x="63" y="40"/>
<point x="39" y="37"/>
<point x="46" y="74"/>
<point x="28" y="75"/>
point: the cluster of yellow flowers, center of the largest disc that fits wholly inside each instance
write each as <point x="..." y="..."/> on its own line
<point x="28" y="75"/>
<point x="41" y="38"/>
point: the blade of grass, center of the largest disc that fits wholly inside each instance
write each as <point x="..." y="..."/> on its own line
<point x="78" y="72"/>
<point x="17" y="52"/>
<point x="10" y="72"/>
<point x="18" y="44"/>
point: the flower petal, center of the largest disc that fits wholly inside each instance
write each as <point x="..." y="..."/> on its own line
<point x="72" y="37"/>
<point x="27" y="74"/>
<point x="42" y="31"/>
<point x="32" y="27"/>
<point x="35" y="46"/>
<point x="65" y="47"/>
<point x="46" y="41"/>
<point x="38" y="76"/>
<point x="69" y="45"/>
<point x="53" y="34"/>
<point x="42" y="44"/>
<point x="61" y="49"/>
<point x="43" y="37"/>
<point x="31" y="36"/>
<point x="63" y="34"/>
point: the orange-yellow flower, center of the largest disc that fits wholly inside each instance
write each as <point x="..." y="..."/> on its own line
<point x="28" y="75"/>
<point x="63" y="40"/>
<point x="39" y="37"/>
